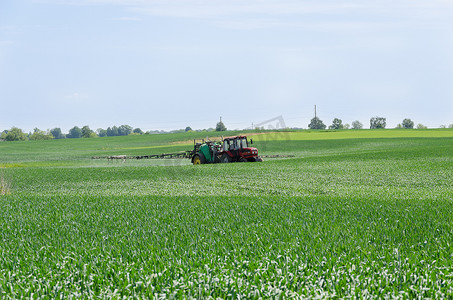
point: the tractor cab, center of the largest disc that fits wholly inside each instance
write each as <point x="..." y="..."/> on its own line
<point x="235" y="143"/>
<point x="237" y="148"/>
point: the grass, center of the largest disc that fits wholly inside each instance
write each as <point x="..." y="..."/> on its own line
<point x="357" y="216"/>
<point x="4" y="186"/>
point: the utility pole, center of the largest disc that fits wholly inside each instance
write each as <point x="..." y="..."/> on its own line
<point x="315" y="111"/>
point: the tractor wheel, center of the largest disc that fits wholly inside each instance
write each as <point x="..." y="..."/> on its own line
<point x="258" y="159"/>
<point x="242" y="159"/>
<point x="198" y="159"/>
<point x="226" y="158"/>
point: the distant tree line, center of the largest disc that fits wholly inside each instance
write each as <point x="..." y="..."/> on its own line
<point x="17" y="134"/>
<point x="375" y="123"/>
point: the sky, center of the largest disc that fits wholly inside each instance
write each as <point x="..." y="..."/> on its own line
<point x="168" y="64"/>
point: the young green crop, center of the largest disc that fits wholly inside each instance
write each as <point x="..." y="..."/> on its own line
<point x="363" y="217"/>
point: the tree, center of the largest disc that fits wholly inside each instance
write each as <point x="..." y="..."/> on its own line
<point x="357" y="125"/>
<point x="124" y="130"/>
<point x="112" y="131"/>
<point x="74" y="133"/>
<point x="14" y="134"/>
<point x="377" y="123"/>
<point x="101" y="132"/>
<point x="87" y="132"/>
<point x="421" y="126"/>
<point x="188" y="129"/>
<point x="40" y="135"/>
<point x="220" y="126"/>
<point x="408" y="123"/>
<point x="316" y="123"/>
<point x="57" y="134"/>
<point x="3" y="134"/>
<point x="138" y="131"/>
<point x="336" y="124"/>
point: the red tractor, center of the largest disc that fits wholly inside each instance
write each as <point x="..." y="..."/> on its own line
<point x="230" y="149"/>
<point x="236" y="149"/>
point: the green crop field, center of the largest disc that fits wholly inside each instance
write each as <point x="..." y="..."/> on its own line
<point x="365" y="214"/>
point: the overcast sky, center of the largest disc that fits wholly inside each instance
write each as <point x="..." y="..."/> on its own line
<point x="168" y="64"/>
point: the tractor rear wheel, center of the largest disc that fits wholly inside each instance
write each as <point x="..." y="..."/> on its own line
<point x="198" y="159"/>
<point x="226" y="158"/>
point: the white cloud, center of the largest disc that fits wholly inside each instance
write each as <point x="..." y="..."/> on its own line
<point x="216" y="8"/>
<point x="76" y="98"/>
<point x="8" y="29"/>
<point x="127" y="19"/>
<point x="343" y="15"/>
<point x="6" y="43"/>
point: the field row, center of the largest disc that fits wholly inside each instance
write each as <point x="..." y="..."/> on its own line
<point x="346" y="218"/>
